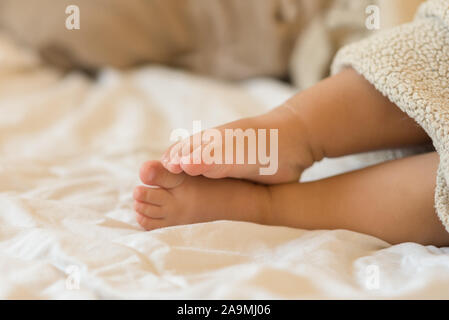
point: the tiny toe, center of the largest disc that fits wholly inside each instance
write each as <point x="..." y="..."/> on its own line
<point x="148" y="223"/>
<point x="149" y="210"/>
<point x="153" y="173"/>
<point x="216" y="171"/>
<point x="156" y="196"/>
<point x="193" y="163"/>
<point x="193" y="169"/>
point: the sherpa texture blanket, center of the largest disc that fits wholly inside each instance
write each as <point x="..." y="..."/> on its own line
<point x="410" y="65"/>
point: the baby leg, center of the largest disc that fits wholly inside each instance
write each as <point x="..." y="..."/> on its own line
<point x="393" y="201"/>
<point x="346" y="114"/>
<point x="341" y="115"/>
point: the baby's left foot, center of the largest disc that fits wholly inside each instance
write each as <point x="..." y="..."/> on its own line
<point x="271" y="148"/>
<point x="183" y="199"/>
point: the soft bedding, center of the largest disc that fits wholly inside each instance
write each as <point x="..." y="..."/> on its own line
<point x="70" y="150"/>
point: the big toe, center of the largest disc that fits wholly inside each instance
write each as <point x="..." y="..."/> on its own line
<point x="153" y="173"/>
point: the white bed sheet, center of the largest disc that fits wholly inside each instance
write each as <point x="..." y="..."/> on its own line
<point x="70" y="150"/>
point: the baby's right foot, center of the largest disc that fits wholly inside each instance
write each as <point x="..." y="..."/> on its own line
<point x="176" y="199"/>
<point x="294" y="152"/>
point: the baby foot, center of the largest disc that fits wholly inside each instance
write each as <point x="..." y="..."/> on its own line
<point x="182" y="199"/>
<point x="294" y="152"/>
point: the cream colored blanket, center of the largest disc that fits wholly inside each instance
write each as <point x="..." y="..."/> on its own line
<point x="70" y="149"/>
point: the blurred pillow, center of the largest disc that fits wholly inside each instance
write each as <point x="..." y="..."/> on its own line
<point x="227" y="38"/>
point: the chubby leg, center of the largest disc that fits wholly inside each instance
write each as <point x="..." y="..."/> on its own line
<point x="346" y="114"/>
<point x="393" y="201"/>
<point x="341" y="115"/>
